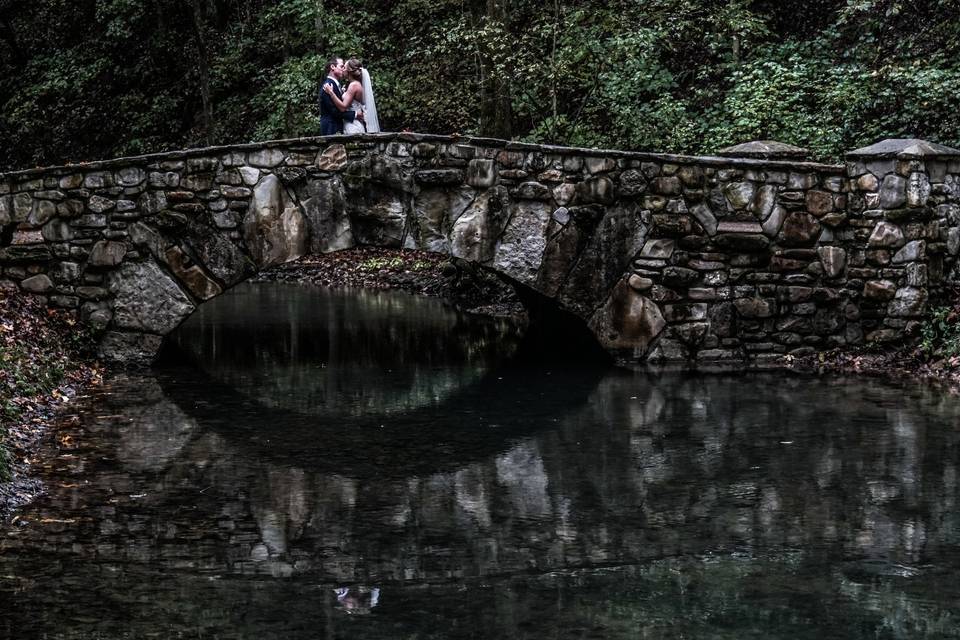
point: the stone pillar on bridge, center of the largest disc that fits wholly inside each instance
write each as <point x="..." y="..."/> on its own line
<point x="904" y="208"/>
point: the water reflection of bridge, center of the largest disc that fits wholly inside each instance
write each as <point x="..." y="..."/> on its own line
<point x="644" y="469"/>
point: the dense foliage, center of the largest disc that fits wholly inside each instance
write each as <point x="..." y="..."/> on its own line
<point x="86" y="79"/>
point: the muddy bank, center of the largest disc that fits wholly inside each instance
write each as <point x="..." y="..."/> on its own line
<point x="907" y="363"/>
<point x="462" y="285"/>
<point x="45" y="361"/>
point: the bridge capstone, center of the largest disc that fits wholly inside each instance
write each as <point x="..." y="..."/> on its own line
<point x="668" y="259"/>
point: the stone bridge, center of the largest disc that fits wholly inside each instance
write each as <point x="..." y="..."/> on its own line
<point x="738" y="259"/>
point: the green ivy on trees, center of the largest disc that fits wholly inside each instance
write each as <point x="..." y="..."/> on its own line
<point x="89" y="79"/>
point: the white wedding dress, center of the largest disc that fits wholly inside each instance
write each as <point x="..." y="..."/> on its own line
<point x="356" y="126"/>
<point x="369" y="108"/>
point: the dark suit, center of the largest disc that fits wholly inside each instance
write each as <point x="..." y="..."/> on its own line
<point x="331" y="118"/>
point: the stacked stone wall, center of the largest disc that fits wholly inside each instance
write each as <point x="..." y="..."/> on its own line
<point x="668" y="259"/>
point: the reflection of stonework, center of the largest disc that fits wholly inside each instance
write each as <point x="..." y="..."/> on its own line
<point x="742" y="259"/>
<point x="645" y="468"/>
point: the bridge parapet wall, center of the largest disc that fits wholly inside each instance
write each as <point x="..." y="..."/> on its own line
<point x="669" y="259"/>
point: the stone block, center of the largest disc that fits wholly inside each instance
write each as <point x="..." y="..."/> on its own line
<point x="266" y="158"/>
<point x="911" y="252"/>
<point x="917" y="275"/>
<point x="886" y="235"/>
<point x="691" y="176"/>
<point x="627" y="320"/>
<point x="953" y="241"/>
<point x="632" y="183"/>
<point x="801" y="180"/>
<point x="879" y="290"/>
<point x="130" y="176"/>
<point x="764" y="202"/>
<point x="99" y="204"/>
<point x="705" y="217"/>
<point x="655" y="203"/>
<point x="772" y="225"/>
<point x="868" y="182"/>
<point x="661" y="248"/>
<point x="599" y="190"/>
<point x="98" y="180"/>
<point x="741" y="242"/>
<point x="799" y="228"/>
<point x="72" y="181"/>
<point x="666" y="186"/>
<point x="600" y="165"/>
<point x="893" y="192"/>
<point x="129" y="347"/>
<point x="702" y="294"/>
<point x="236" y="193"/>
<point x="42" y="212"/>
<point x="833" y="259"/>
<point x="152" y="202"/>
<point x="333" y="158"/>
<point x="481" y="173"/>
<point x="39" y="283"/>
<point x="438" y="177"/>
<point x="107" y="253"/>
<point x="249" y="176"/>
<point x="755" y="307"/>
<point x="57" y="230"/>
<point x="819" y="202"/>
<point x="685" y="312"/>
<point x="533" y="191"/>
<point x="909" y="302"/>
<point x="679" y="277"/>
<point x="198" y="182"/>
<point x="918" y="189"/>
<point x="691" y="333"/>
<point x="740" y="194"/>
<point x="639" y="283"/>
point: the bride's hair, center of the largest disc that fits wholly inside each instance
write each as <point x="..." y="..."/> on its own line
<point x="354" y="67"/>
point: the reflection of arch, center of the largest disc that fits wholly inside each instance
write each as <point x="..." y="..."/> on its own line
<point x="490" y="414"/>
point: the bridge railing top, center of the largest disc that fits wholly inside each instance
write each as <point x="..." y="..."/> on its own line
<point x="317" y="142"/>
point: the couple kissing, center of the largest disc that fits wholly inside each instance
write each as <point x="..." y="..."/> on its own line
<point x="351" y="110"/>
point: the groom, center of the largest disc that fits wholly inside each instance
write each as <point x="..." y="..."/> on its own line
<point x="331" y="118"/>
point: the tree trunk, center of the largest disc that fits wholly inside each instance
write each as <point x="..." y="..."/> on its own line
<point x="320" y="35"/>
<point x="496" y="113"/>
<point x="204" y="64"/>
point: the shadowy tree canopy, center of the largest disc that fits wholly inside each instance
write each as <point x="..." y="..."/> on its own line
<point x="89" y="79"/>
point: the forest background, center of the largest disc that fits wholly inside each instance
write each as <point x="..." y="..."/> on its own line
<point x="90" y="79"/>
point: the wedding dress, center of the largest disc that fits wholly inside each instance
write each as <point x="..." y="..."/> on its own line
<point x="356" y="126"/>
<point x="368" y="106"/>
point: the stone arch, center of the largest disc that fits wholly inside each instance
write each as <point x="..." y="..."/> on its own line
<point x="136" y="244"/>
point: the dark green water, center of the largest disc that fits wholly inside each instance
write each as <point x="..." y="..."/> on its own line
<point x="309" y="464"/>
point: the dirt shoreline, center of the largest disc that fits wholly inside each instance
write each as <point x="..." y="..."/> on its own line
<point x="29" y="331"/>
<point x="45" y="362"/>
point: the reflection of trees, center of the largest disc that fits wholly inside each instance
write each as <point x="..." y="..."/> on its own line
<point x="310" y="349"/>
<point x="647" y="468"/>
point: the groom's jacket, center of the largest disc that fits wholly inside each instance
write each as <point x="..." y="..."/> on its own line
<point x="331" y="118"/>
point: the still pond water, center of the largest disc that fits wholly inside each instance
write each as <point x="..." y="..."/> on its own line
<point x="319" y="464"/>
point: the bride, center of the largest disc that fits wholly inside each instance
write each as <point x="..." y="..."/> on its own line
<point x="358" y="97"/>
